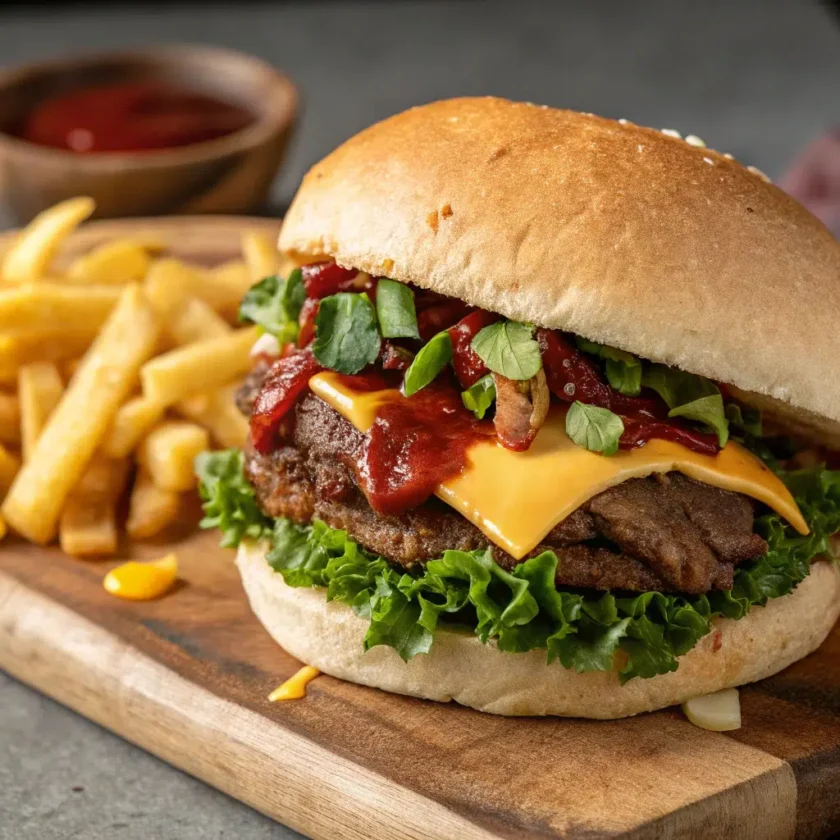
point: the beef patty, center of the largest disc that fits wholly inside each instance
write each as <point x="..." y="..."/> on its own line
<point x="667" y="533"/>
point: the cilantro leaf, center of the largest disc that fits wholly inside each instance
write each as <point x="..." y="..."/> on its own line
<point x="744" y="419"/>
<point x="690" y="396"/>
<point x="480" y="396"/>
<point x="594" y="428"/>
<point x="274" y="304"/>
<point x="346" y="336"/>
<point x="229" y="501"/>
<point x="707" y="410"/>
<point x="428" y="363"/>
<point x="624" y="370"/>
<point x="395" y="310"/>
<point x="509" y="348"/>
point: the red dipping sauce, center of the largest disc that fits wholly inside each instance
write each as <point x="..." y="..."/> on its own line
<point x="131" y="117"/>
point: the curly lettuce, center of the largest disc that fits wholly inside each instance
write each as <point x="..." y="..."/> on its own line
<point x="643" y="635"/>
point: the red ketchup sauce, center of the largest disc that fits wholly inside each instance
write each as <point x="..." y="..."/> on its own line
<point x="414" y="445"/>
<point x="131" y="117"/>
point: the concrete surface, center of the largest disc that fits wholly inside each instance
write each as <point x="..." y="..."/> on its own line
<point x="757" y="78"/>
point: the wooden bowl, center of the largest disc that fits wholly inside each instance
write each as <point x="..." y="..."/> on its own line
<point x="231" y="174"/>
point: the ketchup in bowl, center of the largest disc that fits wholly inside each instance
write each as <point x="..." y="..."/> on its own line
<point x="133" y="116"/>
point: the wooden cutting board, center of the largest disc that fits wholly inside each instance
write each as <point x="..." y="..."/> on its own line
<point x="187" y="677"/>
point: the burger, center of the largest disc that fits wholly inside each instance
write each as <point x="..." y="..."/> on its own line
<point x="540" y="418"/>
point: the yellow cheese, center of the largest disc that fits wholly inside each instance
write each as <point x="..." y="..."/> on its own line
<point x="516" y="498"/>
<point x="295" y="687"/>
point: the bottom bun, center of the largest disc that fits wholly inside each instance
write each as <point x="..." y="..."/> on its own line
<point x="459" y="667"/>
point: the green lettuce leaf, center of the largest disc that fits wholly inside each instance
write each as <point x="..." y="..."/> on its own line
<point x="641" y="635"/>
<point x="229" y="501"/>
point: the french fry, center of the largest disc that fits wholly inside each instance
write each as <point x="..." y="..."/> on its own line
<point x="39" y="390"/>
<point x="151" y="508"/>
<point x="88" y="524"/>
<point x="169" y="283"/>
<point x="224" y="286"/>
<point x="217" y="412"/>
<point x="260" y="253"/>
<point x="9" y="418"/>
<point x="168" y="452"/>
<point x="69" y="367"/>
<point x="132" y="422"/>
<point x="196" y="320"/>
<point x="4" y="528"/>
<point x="9" y="466"/>
<point x="53" y="308"/>
<point x="116" y="262"/>
<point x="198" y="367"/>
<point x="36" y="245"/>
<point x="82" y="418"/>
<point x="17" y="351"/>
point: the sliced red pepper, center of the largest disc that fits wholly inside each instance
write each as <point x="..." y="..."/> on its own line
<point x="327" y="278"/>
<point x="572" y="376"/>
<point x="639" y="430"/>
<point x="440" y="316"/>
<point x="394" y="357"/>
<point x="469" y="367"/>
<point x="286" y="380"/>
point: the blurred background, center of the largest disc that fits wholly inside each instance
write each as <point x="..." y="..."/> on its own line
<point x="757" y="78"/>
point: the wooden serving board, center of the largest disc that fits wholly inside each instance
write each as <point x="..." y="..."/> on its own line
<point x="186" y="677"/>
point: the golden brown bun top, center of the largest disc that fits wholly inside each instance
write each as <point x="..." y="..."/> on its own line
<point x="618" y="233"/>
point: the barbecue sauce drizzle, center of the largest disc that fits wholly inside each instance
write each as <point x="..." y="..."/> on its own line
<point x="420" y="442"/>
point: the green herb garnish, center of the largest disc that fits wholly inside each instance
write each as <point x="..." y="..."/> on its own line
<point x="480" y="396"/>
<point x="346" y="335"/>
<point x="428" y="363"/>
<point x="594" y="428"/>
<point x="509" y="348"/>
<point x="395" y="310"/>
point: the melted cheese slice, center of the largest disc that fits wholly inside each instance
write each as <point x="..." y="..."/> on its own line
<point x="516" y="498"/>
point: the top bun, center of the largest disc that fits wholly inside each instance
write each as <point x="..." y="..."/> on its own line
<point x="621" y="234"/>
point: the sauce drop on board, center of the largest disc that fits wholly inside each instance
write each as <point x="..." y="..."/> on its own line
<point x="135" y="581"/>
<point x="131" y="117"/>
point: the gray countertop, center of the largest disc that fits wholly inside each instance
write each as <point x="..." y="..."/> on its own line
<point x="757" y="78"/>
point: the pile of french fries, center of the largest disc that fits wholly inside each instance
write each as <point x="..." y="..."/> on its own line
<point x="117" y="370"/>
